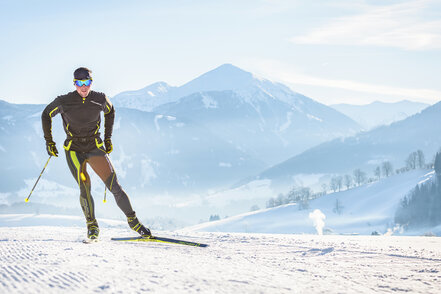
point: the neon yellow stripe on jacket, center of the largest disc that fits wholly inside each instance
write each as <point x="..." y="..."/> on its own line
<point x="67" y="129"/>
<point x="68" y="145"/>
<point x="107" y="105"/>
<point x="97" y="128"/>
<point x="50" y="113"/>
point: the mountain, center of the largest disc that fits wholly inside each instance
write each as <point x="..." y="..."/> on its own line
<point x="264" y="119"/>
<point x="259" y="125"/>
<point x="20" y="129"/>
<point x="366" y="150"/>
<point x="146" y="98"/>
<point x="225" y="77"/>
<point x="380" y="113"/>
<point x="362" y="210"/>
<point x="151" y="151"/>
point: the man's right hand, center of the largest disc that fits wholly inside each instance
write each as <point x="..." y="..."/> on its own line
<point x="51" y="149"/>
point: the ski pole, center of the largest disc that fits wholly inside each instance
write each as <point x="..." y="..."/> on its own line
<point x="27" y="199"/>
<point x="105" y="190"/>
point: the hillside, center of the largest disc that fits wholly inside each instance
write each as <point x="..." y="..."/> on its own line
<point x="364" y="209"/>
<point x="366" y="150"/>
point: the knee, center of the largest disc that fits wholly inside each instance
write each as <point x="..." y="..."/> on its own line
<point x="84" y="189"/>
<point x="112" y="184"/>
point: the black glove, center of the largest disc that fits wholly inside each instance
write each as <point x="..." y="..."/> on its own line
<point x="51" y="149"/>
<point x="108" y="145"/>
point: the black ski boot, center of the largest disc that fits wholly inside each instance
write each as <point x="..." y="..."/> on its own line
<point x="138" y="227"/>
<point x="93" y="230"/>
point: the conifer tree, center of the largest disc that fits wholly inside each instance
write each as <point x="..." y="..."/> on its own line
<point x="438" y="164"/>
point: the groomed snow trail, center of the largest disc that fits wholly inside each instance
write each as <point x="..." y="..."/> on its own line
<point x="54" y="260"/>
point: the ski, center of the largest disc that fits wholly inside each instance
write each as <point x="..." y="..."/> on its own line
<point x="160" y="240"/>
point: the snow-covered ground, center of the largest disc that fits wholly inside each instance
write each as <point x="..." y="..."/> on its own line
<point x="24" y="220"/>
<point x="49" y="259"/>
<point x="362" y="210"/>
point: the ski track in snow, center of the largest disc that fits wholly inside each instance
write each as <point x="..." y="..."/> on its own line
<point x="54" y="260"/>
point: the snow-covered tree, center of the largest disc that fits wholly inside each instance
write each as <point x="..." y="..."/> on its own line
<point x="254" y="207"/>
<point x="300" y="196"/>
<point x="271" y="203"/>
<point x="334" y="184"/>
<point x="377" y="172"/>
<point x="411" y="161"/>
<point x="421" y="207"/>
<point x="348" y="181"/>
<point x="339" y="180"/>
<point x="359" y="176"/>
<point x="437" y="164"/>
<point x="281" y="199"/>
<point x="324" y="188"/>
<point x="420" y="159"/>
<point x="387" y="168"/>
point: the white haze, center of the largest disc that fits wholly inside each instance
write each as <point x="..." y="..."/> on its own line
<point x="319" y="220"/>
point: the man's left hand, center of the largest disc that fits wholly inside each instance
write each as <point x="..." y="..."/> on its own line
<point x="108" y="145"/>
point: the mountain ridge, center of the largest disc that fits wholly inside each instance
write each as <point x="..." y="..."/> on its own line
<point x="380" y="113"/>
<point x="365" y="150"/>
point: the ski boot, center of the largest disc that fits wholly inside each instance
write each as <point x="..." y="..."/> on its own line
<point x="138" y="227"/>
<point x="93" y="230"/>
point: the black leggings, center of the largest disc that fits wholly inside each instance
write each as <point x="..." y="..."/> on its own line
<point x="100" y="163"/>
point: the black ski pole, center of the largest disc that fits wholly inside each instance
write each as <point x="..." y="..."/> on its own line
<point x="27" y="199"/>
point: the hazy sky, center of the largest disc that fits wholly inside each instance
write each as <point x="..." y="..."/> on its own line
<point x="339" y="51"/>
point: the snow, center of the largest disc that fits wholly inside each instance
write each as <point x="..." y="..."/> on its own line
<point x="49" y="259"/>
<point x="20" y="219"/>
<point x="209" y="102"/>
<point x="225" y="164"/>
<point x="365" y="209"/>
<point x="313" y="117"/>
<point x="288" y="122"/>
<point x="148" y="172"/>
<point x="158" y="117"/>
<point x="257" y="189"/>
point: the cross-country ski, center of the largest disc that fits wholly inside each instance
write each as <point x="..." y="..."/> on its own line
<point x="160" y="240"/>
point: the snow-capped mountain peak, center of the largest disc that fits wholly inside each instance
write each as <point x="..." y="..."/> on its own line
<point x="224" y="77"/>
<point x="158" y="89"/>
<point x="236" y="105"/>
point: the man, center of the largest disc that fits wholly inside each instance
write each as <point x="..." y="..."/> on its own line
<point x="80" y="111"/>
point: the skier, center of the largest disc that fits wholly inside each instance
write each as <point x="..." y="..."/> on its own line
<point x="80" y="111"/>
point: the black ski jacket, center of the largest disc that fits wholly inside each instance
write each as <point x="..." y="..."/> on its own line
<point x="81" y="120"/>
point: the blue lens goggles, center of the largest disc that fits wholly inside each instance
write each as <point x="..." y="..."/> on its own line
<point x="81" y="83"/>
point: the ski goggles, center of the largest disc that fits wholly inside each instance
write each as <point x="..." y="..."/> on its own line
<point x="81" y="83"/>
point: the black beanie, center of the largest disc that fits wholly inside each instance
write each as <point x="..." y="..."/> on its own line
<point x="82" y="73"/>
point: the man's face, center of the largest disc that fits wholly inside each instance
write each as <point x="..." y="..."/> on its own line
<point x="83" y="90"/>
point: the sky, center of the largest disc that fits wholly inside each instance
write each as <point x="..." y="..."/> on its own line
<point x="340" y="51"/>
